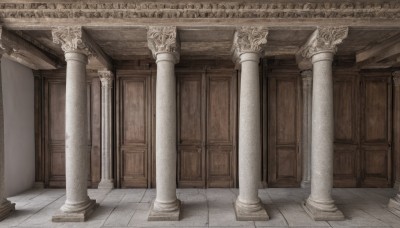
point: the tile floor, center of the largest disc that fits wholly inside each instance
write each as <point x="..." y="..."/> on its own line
<point x="204" y="208"/>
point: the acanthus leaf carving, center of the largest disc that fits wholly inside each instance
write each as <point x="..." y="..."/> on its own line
<point x="163" y="39"/>
<point x="71" y="39"/>
<point x="249" y="39"/>
<point x="324" y="39"/>
<point x="106" y="78"/>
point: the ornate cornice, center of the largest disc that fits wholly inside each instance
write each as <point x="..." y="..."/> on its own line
<point x="106" y="78"/>
<point x="161" y="9"/>
<point x="324" y="39"/>
<point x="249" y="39"/>
<point x="71" y="39"/>
<point x="163" y="39"/>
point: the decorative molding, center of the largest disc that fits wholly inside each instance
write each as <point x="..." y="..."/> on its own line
<point x="106" y="78"/>
<point x="240" y="9"/>
<point x="306" y="76"/>
<point x="324" y="39"/>
<point x="396" y="77"/>
<point x="163" y="39"/>
<point x="71" y="39"/>
<point x="249" y="39"/>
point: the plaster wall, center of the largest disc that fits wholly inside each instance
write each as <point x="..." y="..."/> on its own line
<point x="19" y="138"/>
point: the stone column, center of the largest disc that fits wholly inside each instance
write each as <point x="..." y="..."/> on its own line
<point x="394" y="203"/>
<point x="248" y="47"/>
<point x="6" y="207"/>
<point x="164" y="44"/>
<point x="320" y="48"/>
<point x="107" y="182"/>
<point x="306" y="76"/>
<point x="77" y="205"/>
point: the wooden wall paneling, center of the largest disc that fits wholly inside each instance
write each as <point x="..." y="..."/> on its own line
<point x="376" y="96"/>
<point x="284" y="160"/>
<point x="346" y="134"/>
<point x="190" y="130"/>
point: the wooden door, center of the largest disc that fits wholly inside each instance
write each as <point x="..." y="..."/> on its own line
<point x="376" y="131"/>
<point x="134" y="130"/>
<point x="54" y="130"/>
<point x="191" y="130"/>
<point x="221" y="129"/>
<point x="346" y="137"/>
<point x="284" y="160"/>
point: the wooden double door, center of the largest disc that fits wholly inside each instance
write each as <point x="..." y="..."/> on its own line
<point x="206" y="128"/>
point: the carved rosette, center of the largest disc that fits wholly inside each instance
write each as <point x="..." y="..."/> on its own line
<point x="106" y="78"/>
<point x="306" y="76"/>
<point x="163" y="39"/>
<point x="249" y="39"/>
<point x="396" y="78"/>
<point x="71" y="39"/>
<point x="324" y="39"/>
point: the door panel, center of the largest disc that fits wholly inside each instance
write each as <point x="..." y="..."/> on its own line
<point x="134" y="127"/>
<point x="376" y="134"/>
<point x="346" y="135"/>
<point x="284" y="168"/>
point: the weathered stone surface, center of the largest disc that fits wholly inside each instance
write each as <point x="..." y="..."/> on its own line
<point x="174" y="215"/>
<point x="80" y="216"/>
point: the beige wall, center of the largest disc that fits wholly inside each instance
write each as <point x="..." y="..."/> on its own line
<point x="19" y="138"/>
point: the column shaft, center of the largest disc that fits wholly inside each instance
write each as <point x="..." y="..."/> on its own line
<point x="306" y="129"/>
<point x="6" y="207"/>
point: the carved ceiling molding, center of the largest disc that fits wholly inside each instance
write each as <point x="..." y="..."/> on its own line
<point x="71" y="39"/>
<point x="324" y="39"/>
<point x="355" y="9"/>
<point x="106" y="78"/>
<point x="163" y="39"/>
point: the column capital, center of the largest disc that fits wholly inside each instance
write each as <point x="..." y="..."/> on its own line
<point x="106" y="78"/>
<point x="306" y="76"/>
<point x="249" y="39"/>
<point x="72" y="39"/>
<point x="324" y="39"/>
<point x="163" y="39"/>
<point x="396" y="77"/>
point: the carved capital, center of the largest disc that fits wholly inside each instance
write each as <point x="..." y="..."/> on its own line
<point x="163" y="39"/>
<point x="249" y="39"/>
<point x="324" y="39"/>
<point x="71" y="39"/>
<point x="396" y="78"/>
<point x="106" y="78"/>
<point x="306" y="76"/>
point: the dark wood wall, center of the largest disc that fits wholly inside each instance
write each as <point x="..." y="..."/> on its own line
<point x="207" y="117"/>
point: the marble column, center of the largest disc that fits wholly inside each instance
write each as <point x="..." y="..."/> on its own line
<point x="107" y="182"/>
<point x="77" y="205"/>
<point x="306" y="77"/>
<point x="394" y="203"/>
<point x="321" y="48"/>
<point x="6" y="207"/>
<point x="248" y="47"/>
<point x="164" y="44"/>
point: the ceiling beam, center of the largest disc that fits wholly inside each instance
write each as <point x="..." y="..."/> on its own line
<point x="25" y="53"/>
<point x="102" y="59"/>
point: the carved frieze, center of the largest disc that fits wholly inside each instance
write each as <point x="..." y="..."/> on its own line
<point x="324" y="39"/>
<point x="161" y="9"/>
<point x="163" y="39"/>
<point x="106" y="78"/>
<point x="71" y="39"/>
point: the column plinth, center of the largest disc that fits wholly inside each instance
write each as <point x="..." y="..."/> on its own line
<point x="163" y="43"/>
<point x="78" y="206"/>
<point x="107" y="182"/>
<point x="249" y="44"/>
<point x="6" y="207"/>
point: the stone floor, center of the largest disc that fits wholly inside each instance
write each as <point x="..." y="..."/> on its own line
<point x="204" y="208"/>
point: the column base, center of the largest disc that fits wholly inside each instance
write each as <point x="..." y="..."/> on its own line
<point x="174" y="215"/>
<point x="6" y="208"/>
<point x="329" y="213"/>
<point x="257" y="213"/>
<point x="394" y="205"/>
<point x="305" y="184"/>
<point x="106" y="184"/>
<point x="79" y="216"/>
